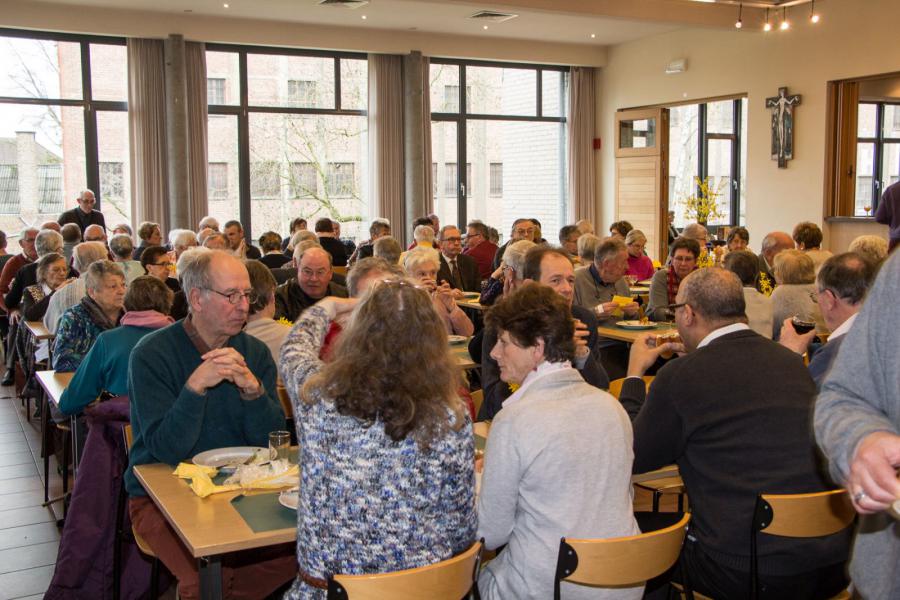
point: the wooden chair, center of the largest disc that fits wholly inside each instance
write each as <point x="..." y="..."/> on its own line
<point x="615" y="386"/>
<point x="288" y="408"/>
<point x="662" y="486"/>
<point x="340" y="270"/>
<point x="138" y="540"/>
<point x="798" y="516"/>
<point x="450" y="579"/>
<point x="617" y="562"/>
<point x="477" y="400"/>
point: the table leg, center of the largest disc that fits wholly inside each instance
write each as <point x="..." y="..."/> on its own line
<point x="76" y="446"/>
<point x="210" y="568"/>
<point x="45" y="433"/>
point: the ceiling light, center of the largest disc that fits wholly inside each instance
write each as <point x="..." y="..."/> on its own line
<point x="784" y="22"/>
<point x="364" y="17"/>
<point x="767" y="26"/>
<point x="593" y="35"/>
<point x="740" y="22"/>
<point x="484" y="26"/>
<point x="813" y="15"/>
<point x="225" y="5"/>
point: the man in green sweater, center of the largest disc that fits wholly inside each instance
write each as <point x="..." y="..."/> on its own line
<point x="200" y="384"/>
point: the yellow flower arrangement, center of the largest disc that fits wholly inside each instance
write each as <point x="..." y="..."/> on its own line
<point x="284" y="321"/>
<point x="704" y="206"/>
<point x="765" y="285"/>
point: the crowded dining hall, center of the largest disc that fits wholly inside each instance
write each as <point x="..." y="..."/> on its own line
<point x="430" y="300"/>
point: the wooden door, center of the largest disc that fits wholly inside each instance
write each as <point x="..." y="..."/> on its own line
<point x="642" y="164"/>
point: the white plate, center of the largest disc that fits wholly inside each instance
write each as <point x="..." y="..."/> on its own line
<point x="290" y="498"/>
<point x="456" y="339"/>
<point x="228" y="458"/>
<point x="635" y="325"/>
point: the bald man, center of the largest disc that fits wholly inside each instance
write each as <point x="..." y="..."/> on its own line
<point x="84" y="214"/>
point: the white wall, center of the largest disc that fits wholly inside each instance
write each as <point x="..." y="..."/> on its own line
<point x="854" y="38"/>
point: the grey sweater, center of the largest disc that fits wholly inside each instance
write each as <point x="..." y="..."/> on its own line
<point x="860" y="396"/>
<point x="557" y="463"/>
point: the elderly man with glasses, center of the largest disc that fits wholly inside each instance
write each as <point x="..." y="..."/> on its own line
<point x="313" y="282"/>
<point x="199" y="384"/>
<point x="479" y="247"/>
<point x="84" y="214"/>
<point x="457" y="269"/>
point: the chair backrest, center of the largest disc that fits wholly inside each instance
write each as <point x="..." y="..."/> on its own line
<point x="620" y="561"/>
<point x="450" y="579"/>
<point x="285" y="400"/>
<point x="615" y="386"/>
<point x="478" y="400"/>
<point x="340" y="270"/>
<point x="128" y="437"/>
<point x="803" y="515"/>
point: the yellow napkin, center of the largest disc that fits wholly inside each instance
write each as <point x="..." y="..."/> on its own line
<point x="622" y="300"/>
<point x="201" y="479"/>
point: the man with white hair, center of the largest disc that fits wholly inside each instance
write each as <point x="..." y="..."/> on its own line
<point x="181" y="240"/>
<point x="423" y="236"/>
<point x="84" y="255"/>
<point x="208" y="222"/>
<point x="84" y="214"/>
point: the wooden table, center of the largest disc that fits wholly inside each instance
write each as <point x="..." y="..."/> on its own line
<point x="461" y="353"/>
<point x="474" y="304"/>
<point x="38" y="331"/>
<point x="209" y="527"/>
<point x="631" y="335"/>
<point x="53" y="385"/>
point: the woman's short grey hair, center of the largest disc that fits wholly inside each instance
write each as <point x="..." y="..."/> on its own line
<point x="304" y="235"/>
<point x="388" y="248"/>
<point x="179" y="238"/>
<point x="44" y="263"/>
<point x="87" y="253"/>
<point x="587" y="245"/>
<point x="423" y="234"/>
<point x="419" y="256"/>
<point x="635" y="236"/>
<point x="514" y="256"/>
<point x="366" y="267"/>
<point x="301" y="248"/>
<point x="872" y="247"/>
<point x="187" y="257"/>
<point x="48" y="241"/>
<point x="793" y="267"/>
<point x="98" y="270"/>
<point x="124" y="226"/>
<point x="122" y="246"/>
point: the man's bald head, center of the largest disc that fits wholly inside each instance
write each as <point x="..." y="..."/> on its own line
<point x="776" y="242"/>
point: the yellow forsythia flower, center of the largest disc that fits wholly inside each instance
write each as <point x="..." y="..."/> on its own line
<point x="284" y="321"/>
<point x="765" y="284"/>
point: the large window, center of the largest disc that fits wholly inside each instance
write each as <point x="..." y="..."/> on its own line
<point x="877" y="153"/>
<point x="708" y="140"/>
<point x="289" y="128"/>
<point x="507" y="124"/>
<point x="63" y="126"/>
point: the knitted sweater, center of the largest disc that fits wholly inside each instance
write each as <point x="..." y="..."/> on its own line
<point x="860" y="397"/>
<point x="74" y="337"/>
<point x="170" y="423"/>
<point x="369" y="504"/>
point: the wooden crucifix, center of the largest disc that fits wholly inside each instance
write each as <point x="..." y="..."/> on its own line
<point x="782" y="107"/>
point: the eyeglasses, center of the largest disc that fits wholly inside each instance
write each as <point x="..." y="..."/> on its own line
<point x="166" y="264"/>
<point x="236" y="296"/>
<point x="453" y="239"/>
<point x="671" y="308"/>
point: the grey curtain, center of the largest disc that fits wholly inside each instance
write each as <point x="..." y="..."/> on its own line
<point x="195" y="73"/>
<point x="580" y="130"/>
<point x="426" y="131"/>
<point x="386" y="137"/>
<point x="147" y="130"/>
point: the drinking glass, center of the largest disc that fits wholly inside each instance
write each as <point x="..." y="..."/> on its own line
<point x="279" y="445"/>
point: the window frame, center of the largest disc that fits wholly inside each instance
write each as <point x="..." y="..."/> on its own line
<point x="243" y="109"/>
<point x="878" y="146"/>
<point x="462" y="118"/>
<point x="90" y="106"/>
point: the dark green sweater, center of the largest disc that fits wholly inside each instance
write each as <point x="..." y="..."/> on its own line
<point x="171" y="424"/>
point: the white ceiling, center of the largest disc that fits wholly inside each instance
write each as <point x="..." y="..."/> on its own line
<point x="430" y="16"/>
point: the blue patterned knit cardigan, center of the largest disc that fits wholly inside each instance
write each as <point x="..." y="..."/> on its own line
<point x="369" y="504"/>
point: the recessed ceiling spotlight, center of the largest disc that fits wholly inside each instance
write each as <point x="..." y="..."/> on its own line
<point x="484" y="26"/>
<point x="593" y="35"/>
<point x="225" y="5"/>
<point x="364" y="17"/>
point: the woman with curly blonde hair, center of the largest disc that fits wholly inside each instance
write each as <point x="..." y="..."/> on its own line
<point x="386" y="456"/>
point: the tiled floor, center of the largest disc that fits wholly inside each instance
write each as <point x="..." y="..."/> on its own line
<point x="29" y="538"/>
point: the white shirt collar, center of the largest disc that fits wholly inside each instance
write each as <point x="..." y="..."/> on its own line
<point x="843" y="328"/>
<point x="717" y="333"/>
<point x="541" y="371"/>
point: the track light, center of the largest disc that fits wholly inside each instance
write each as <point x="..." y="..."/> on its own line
<point x="784" y="22"/>
<point x="740" y="22"/>
<point x="767" y="26"/>
<point x="813" y="15"/>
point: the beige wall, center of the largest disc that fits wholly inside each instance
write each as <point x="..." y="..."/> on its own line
<point x="853" y="39"/>
<point x="131" y="23"/>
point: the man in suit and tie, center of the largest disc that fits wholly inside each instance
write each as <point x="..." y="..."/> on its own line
<point x="457" y="269"/>
<point x="842" y="283"/>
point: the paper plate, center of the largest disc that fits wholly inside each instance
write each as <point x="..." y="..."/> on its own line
<point x="457" y="339"/>
<point x="637" y="325"/>
<point x="226" y="457"/>
<point x="290" y="498"/>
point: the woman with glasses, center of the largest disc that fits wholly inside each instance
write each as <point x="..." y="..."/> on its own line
<point x="157" y="261"/>
<point x="639" y="264"/>
<point x="387" y="463"/>
<point x="683" y="257"/>
<point x="52" y="275"/>
<point x="423" y="264"/>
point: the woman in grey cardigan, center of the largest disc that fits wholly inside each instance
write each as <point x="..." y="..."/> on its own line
<point x="796" y="293"/>
<point x="558" y="458"/>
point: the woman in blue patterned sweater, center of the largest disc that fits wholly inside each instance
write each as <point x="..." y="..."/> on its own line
<point x="386" y="455"/>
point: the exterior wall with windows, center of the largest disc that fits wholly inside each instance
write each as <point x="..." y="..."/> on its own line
<point x="848" y="42"/>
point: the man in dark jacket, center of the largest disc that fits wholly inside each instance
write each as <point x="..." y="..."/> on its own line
<point x="334" y="247"/>
<point x="83" y="214"/>
<point x="457" y="269"/>
<point x="734" y="414"/>
<point x="313" y="283"/>
<point x="551" y="267"/>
